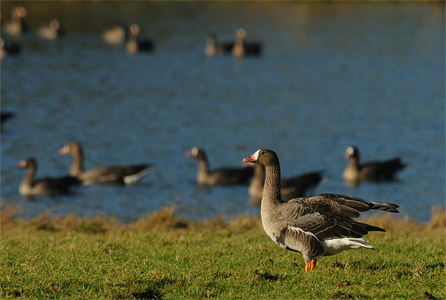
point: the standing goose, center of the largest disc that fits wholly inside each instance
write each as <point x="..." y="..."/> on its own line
<point x="371" y="171"/>
<point x="215" y="48"/>
<point x="242" y="48"/>
<point x="43" y="186"/>
<point x="104" y="175"/>
<point x="291" y="187"/>
<point x="225" y="176"/>
<point x="135" y="44"/>
<point x="317" y="226"/>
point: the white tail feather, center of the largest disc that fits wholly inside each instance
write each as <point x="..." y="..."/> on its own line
<point x="333" y="246"/>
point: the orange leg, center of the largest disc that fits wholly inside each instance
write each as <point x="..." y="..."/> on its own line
<point x="311" y="265"/>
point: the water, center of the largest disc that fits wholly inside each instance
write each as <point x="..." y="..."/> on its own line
<point x="332" y="75"/>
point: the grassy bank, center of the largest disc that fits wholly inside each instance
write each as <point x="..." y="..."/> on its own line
<point x="161" y="256"/>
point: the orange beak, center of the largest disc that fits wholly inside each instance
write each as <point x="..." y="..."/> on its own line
<point x="64" y="150"/>
<point x="250" y="159"/>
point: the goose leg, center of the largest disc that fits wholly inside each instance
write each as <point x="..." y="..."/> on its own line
<point x="311" y="265"/>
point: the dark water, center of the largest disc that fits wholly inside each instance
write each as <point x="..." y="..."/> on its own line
<point x="331" y="75"/>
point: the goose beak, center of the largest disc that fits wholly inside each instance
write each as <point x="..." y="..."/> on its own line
<point x="250" y="159"/>
<point x="21" y="164"/>
<point x="64" y="150"/>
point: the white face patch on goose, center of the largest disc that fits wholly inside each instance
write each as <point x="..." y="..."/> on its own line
<point x="194" y="151"/>
<point x="349" y="151"/>
<point x="256" y="155"/>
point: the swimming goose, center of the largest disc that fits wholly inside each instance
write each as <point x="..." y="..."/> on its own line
<point x="51" y="31"/>
<point x="16" y="26"/>
<point x="242" y="48"/>
<point x="215" y="48"/>
<point x="372" y="171"/>
<point x="291" y="187"/>
<point x="103" y="175"/>
<point x="317" y="226"/>
<point x="115" y="34"/>
<point x="9" y="47"/>
<point x="43" y="186"/>
<point x="225" y="176"/>
<point x="135" y="44"/>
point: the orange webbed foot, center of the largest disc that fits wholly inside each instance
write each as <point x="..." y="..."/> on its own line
<point x="311" y="265"/>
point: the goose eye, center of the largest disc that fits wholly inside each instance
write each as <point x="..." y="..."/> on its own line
<point x="263" y="152"/>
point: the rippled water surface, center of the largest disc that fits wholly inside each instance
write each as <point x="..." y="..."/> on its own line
<point x="331" y="75"/>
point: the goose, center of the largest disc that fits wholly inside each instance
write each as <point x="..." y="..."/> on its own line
<point x="317" y="226"/>
<point x="16" y="26"/>
<point x="9" y="47"/>
<point x="242" y="48"/>
<point x="51" y="31"/>
<point x="214" y="48"/>
<point x="43" y="186"/>
<point x="102" y="175"/>
<point x="135" y="44"/>
<point x="291" y="187"/>
<point x="371" y="171"/>
<point x="115" y="34"/>
<point x="224" y="176"/>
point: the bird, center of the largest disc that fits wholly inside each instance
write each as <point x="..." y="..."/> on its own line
<point x="242" y="48"/>
<point x="317" y="226"/>
<point x="16" y="26"/>
<point x="103" y="175"/>
<point x="115" y="34"/>
<point x="223" y="176"/>
<point x="214" y="48"/>
<point x="9" y="47"/>
<point x="369" y="171"/>
<point x="43" y="186"/>
<point x="291" y="187"/>
<point x="135" y="44"/>
<point x="51" y="31"/>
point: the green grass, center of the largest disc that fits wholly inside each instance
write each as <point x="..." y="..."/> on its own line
<point x="162" y="257"/>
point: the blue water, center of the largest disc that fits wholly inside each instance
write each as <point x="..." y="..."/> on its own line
<point x="332" y="75"/>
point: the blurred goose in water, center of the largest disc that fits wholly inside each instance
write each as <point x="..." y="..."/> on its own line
<point x="370" y="171"/>
<point x="135" y="44"/>
<point x="50" y="31"/>
<point x="115" y="34"/>
<point x="16" y="26"/>
<point x="104" y="175"/>
<point x="291" y="187"/>
<point x="225" y="176"/>
<point x="43" y="186"/>
<point x="9" y="47"/>
<point x="318" y="226"/>
<point x="214" y="48"/>
<point x="242" y="48"/>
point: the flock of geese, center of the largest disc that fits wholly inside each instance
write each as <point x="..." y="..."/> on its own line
<point x="118" y="34"/>
<point x="315" y="226"/>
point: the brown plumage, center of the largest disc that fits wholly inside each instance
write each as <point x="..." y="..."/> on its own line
<point x="135" y="43"/>
<point x="103" y="175"/>
<point x="224" y="176"/>
<point x="317" y="226"/>
<point x="291" y="187"/>
<point x="371" y="171"/>
<point x="242" y="47"/>
<point x="43" y="186"/>
<point x="213" y="47"/>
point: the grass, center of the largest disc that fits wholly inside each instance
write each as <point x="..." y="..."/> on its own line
<point x="161" y="256"/>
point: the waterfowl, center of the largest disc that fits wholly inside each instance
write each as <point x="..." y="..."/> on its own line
<point x="50" y="31"/>
<point x="242" y="48"/>
<point x="16" y="26"/>
<point x="103" y="175"/>
<point x="224" y="176"/>
<point x="318" y="226"/>
<point x="135" y="44"/>
<point x="9" y="47"/>
<point x="371" y="171"/>
<point x="43" y="186"/>
<point x="115" y="34"/>
<point x="291" y="187"/>
<point x="214" y="48"/>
